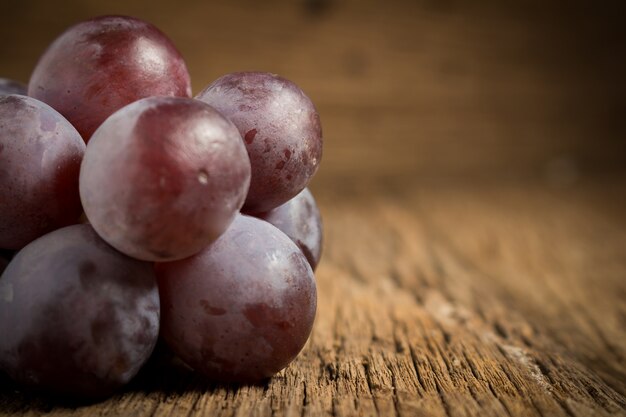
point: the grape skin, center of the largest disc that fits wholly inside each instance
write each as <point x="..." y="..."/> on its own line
<point x="300" y="219"/>
<point x="100" y="65"/>
<point x="77" y="318"/>
<point x="164" y="177"/>
<point x="40" y="156"/>
<point x="243" y="308"/>
<point x="12" y="87"/>
<point x="281" y="129"/>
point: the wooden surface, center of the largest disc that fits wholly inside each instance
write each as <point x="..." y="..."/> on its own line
<point x="434" y="300"/>
<point x="473" y="188"/>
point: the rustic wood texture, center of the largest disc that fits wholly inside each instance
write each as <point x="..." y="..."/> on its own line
<point x="473" y="192"/>
<point x="497" y="299"/>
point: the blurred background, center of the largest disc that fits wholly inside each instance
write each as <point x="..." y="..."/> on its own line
<point x="407" y="90"/>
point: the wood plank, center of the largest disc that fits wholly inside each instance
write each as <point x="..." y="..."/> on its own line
<point x="498" y="299"/>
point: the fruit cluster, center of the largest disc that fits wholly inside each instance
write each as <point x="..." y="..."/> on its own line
<point x="107" y="126"/>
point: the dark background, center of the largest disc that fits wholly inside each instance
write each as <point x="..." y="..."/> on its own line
<point x="407" y="90"/>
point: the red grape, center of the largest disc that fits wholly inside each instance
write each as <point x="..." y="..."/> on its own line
<point x="299" y="218"/>
<point x="77" y="318"/>
<point x="164" y="177"/>
<point x="241" y="309"/>
<point x="40" y="156"/>
<point x="100" y="65"/>
<point x="281" y="129"/>
<point x="11" y="87"/>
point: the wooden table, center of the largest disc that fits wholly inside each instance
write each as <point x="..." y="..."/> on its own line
<point x="473" y="189"/>
<point x="437" y="300"/>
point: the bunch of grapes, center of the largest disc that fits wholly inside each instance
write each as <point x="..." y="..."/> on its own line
<point x="197" y="226"/>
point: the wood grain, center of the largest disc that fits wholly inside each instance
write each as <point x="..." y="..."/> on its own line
<point x="496" y="299"/>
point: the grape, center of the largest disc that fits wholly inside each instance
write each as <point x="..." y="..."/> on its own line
<point x="77" y="318"/>
<point x="40" y="155"/>
<point x="299" y="218"/>
<point x="11" y="87"/>
<point x="100" y="65"/>
<point x="281" y="129"/>
<point x="164" y="177"/>
<point x="241" y="309"/>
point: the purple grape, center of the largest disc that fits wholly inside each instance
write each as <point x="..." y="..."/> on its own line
<point x="241" y="309"/>
<point x="281" y="129"/>
<point x="164" y="177"/>
<point x="77" y="318"/>
<point x="103" y="64"/>
<point x="299" y="218"/>
<point x="12" y="87"/>
<point x="40" y="156"/>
